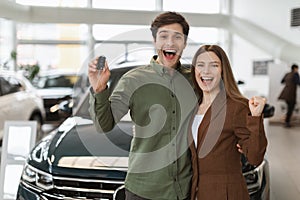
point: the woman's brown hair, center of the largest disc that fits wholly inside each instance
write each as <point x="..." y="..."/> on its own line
<point x="229" y="83"/>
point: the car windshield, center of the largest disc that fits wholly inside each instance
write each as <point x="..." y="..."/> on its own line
<point x="81" y="89"/>
<point x="56" y="81"/>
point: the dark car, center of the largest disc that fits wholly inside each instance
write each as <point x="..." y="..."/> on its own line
<point x="76" y="162"/>
<point x="55" y="87"/>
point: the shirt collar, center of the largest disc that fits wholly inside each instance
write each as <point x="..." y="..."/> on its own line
<point x="160" y="69"/>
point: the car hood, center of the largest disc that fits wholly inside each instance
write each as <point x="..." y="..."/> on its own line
<point x="76" y="146"/>
<point x="55" y="92"/>
<point x="77" y="149"/>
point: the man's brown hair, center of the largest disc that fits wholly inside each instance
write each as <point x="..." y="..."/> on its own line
<point x="169" y="18"/>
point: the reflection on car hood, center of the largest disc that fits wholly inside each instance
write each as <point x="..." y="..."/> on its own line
<point x="94" y="162"/>
<point x="77" y="145"/>
<point x="55" y="92"/>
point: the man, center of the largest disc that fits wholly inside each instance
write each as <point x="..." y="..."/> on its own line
<point x="289" y="92"/>
<point x="160" y="101"/>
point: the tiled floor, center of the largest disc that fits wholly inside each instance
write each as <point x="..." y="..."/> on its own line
<point x="283" y="154"/>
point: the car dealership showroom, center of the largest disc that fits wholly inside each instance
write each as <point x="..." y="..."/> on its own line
<point x="51" y="148"/>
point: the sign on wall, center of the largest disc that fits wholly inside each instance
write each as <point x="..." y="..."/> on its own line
<point x="261" y="67"/>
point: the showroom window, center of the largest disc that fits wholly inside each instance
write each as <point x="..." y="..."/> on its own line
<point x="122" y="43"/>
<point x="6" y="43"/>
<point x="125" y="5"/>
<point x="196" y="6"/>
<point x="193" y="6"/>
<point x="51" y="31"/>
<point x="52" y="45"/>
<point x="54" y="3"/>
<point x="61" y="56"/>
<point x="67" y="45"/>
<point x="134" y="43"/>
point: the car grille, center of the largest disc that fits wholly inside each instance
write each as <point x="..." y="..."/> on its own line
<point x="73" y="188"/>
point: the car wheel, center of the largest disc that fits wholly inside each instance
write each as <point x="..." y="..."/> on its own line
<point x="39" y="130"/>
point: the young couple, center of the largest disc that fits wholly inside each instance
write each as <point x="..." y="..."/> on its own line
<point x="188" y="135"/>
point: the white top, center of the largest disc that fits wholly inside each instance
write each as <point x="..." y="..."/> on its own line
<point x="196" y="123"/>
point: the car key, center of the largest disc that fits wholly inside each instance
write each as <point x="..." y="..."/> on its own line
<point x="101" y="62"/>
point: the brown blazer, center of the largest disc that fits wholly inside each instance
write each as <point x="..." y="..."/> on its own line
<point x="217" y="170"/>
<point x="289" y="92"/>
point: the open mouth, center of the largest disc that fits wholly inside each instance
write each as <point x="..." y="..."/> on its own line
<point x="206" y="79"/>
<point x="169" y="54"/>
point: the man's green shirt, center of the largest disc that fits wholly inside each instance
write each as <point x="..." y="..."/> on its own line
<point x="161" y="104"/>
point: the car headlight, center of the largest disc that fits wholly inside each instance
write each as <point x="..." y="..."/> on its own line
<point x="251" y="177"/>
<point x="54" y="108"/>
<point x="254" y="178"/>
<point x="28" y="174"/>
<point x="44" y="181"/>
<point x="37" y="178"/>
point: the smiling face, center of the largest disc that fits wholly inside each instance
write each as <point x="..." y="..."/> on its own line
<point x="169" y="44"/>
<point x="208" y="72"/>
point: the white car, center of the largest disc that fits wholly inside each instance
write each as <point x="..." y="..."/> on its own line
<point x="55" y="87"/>
<point x="19" y="101"/>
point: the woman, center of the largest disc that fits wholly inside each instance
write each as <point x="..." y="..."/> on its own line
<point x="223" y="120"/>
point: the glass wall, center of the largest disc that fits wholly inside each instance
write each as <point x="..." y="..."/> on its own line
<point x="70" y="46"/>
<point x="54" y="3"/>
<point x="122" y="43"/>
<point x="125" y="4"/>
<point x="6" y="43"/>
<point x="195" y="6"/>
<point x="192" y="6"/>
<point x="52" y="46"/>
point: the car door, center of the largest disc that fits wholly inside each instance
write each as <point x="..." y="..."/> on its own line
<point x="13" y="103"/>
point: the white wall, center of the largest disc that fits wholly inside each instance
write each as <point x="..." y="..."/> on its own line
<point x="243" y="55"/>
<point x="274" y="16"/>
<point x="271" y="15"/>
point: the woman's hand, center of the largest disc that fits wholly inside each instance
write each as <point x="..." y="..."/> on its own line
<point x="98" y="78"/>
<point x="256" y="105"/>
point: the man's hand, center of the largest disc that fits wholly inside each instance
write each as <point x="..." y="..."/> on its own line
<point x="98" y="78"/>
<point x="239" y="148"/>
<point x="256" y="105"/>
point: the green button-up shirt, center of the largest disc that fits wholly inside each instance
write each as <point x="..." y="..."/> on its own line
<point x="161" y="104"/>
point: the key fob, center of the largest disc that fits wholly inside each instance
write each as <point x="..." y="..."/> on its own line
<point x="101" y="62"/>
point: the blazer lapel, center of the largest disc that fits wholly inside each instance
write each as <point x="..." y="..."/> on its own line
<point x="211" y="126"/>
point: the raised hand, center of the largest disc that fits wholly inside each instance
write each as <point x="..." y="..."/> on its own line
<point x="256" y="105"/>
<point x="98" y="78"/>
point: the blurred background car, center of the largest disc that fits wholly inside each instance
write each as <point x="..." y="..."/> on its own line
<point x="55" y="87"/>
<point x="74" y="161"/>
<point x="19" y="101"/>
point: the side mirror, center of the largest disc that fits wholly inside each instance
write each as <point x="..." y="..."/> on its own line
<point x="240" y="82"/>
<point x="268" y="111"/>
<point x="66" y="106"/>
